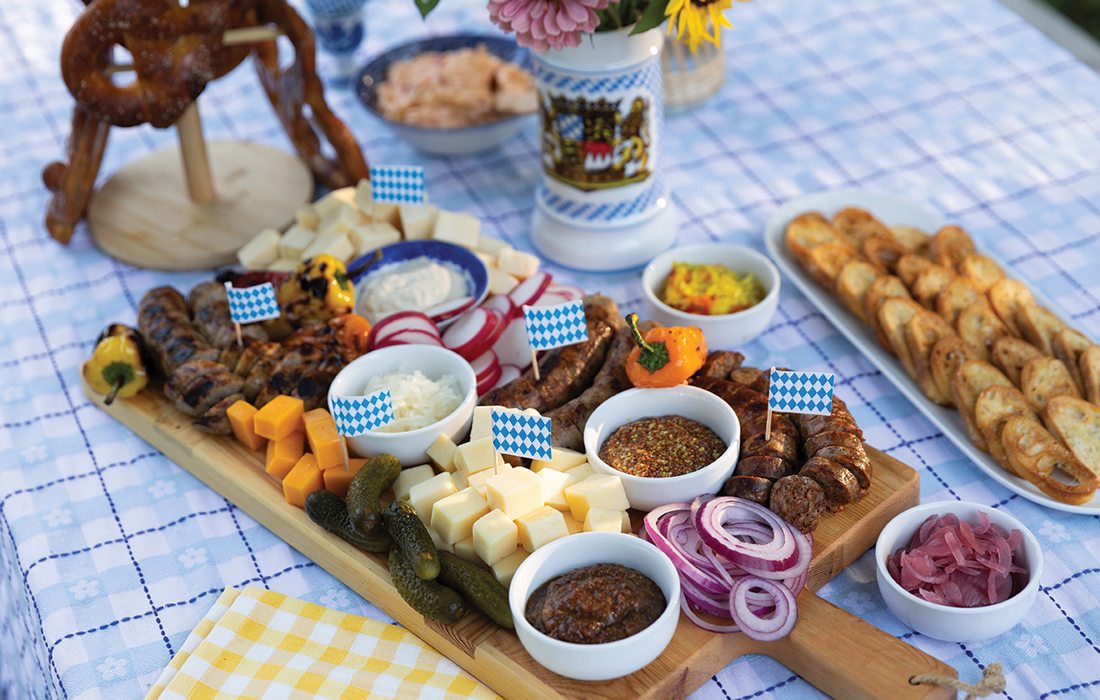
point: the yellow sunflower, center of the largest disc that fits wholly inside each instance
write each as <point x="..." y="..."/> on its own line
<point x="698" y="20"/>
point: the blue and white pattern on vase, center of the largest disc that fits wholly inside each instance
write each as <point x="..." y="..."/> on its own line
<point x="338" y="24"/>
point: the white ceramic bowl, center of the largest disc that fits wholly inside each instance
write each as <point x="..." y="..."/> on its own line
<point x="595" y="662"/>
<point x="409" y="447"/>
<point x="727" y="331"/>
<point x="647" y="493"/>
<point x="942" y="621"/>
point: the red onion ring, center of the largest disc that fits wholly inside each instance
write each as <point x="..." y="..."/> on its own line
<point x="764" y="629"/>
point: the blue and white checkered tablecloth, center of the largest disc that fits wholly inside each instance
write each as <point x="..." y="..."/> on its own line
<point x="109" y="553"/>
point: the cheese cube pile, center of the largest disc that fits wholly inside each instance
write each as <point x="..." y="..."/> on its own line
<point x="347" y="223"/>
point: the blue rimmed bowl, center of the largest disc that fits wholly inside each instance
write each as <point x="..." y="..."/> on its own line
<point x="477" y="275"/>
<point x="457" y="141"/>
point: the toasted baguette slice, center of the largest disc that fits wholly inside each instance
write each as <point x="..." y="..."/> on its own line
<point x="893" y="316"/>
<point x="825" y="262"/>
<point x="1006" y="296"/>
<point x="956" y="296"/>
<point x="1035" y="453"/>
<point x="809" y="230"/>
<point x="1076" y="422"/>
<point x="995" y="405"/>
<point x="971" y="379"/>
<point x="930" y="283"/>
<point x="1044" y="378"/>
<point x="859" y="224"/>
<point x="1038" y="326"/>
<point x="852" y="284"/>
<point x="921" y="334"/>
<point x="910" y="266"/>
<point x="979" y="328"/>
<point x="981" y="270"/>
<point x="883" y="288"/>
<point x="1089" y="364"/>
<point x="948" y="354"/>
<point x="913" y="239"/>
<point x="1067" y="346"/>
<point x="949" y="246"/>
<point x="1010" y="354"/>
<point x="883" y="252"/>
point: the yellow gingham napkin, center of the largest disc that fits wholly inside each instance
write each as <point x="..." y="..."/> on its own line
<point x="256" y="643"/>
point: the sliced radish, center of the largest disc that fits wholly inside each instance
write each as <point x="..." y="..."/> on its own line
<point x="550" y="298"/>
<point x="508" y="373"/>
<point x="504" y="304"/>
<point x="402" y="321"/>
<point x="449" y="309"/>
<point x="484" y="363"/>
<point x="474" y="332"/>
<point x="512" y="347"/>
<point x="409" y="337"/>
<point x="529" y="290"/>
<point x="485" y="385"/>
<point x="568" y="291"/>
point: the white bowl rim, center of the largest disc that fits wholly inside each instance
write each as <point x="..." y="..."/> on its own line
<point x="471" y="286"/>
<point x="671" y="602"/>
<point x="682" y="478"/>
<point x="773" y="287"/>
<point x="1031" y="544"/>
<point x="471" y="392"/>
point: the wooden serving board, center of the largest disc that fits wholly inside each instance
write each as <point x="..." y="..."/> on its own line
<point x="830" y="648"/>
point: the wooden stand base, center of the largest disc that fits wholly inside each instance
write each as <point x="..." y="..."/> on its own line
<point x="143" y="214"/>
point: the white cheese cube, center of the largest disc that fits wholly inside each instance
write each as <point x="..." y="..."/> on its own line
<point x="284" y="265"/>
<point x="442" y="453"/>
<point x="561" y="459"/>
<point x="491" y="246"/>
<point x="601" y="520"/>
<point x="572" y="524"/>
<point x="294" y="241"/>
<point x="329" y="204"/>
<point x="417" y="220"/>
<point x="553" y="487"/>
<point x="482" y="424"/>
<point x="495" y="537"/>
<point x="489" y="260"/>
<point x="597" y="491"/>
<point x="423" y="496"/>
<point x="306" y="217"/>
<point x="627" y="526"/>
<point x="541" y="526"/>
<point x="501" y="282"/>
<point x="438" y="542"/>
<point x="330" y="241"/>
<point x="368" y="237"/>
<point x="582" y="471"/>
<point x="464" y="549"/>
<point x="475" y="456"/>
<point x="457" y="227"/>
<point x="478" y="480"/>
<point x="453" y="517"/>
<point x="376" y="211"/>
<point x="505" y="569"/>
<point x="410" y="477"/>
<point x="517" y="492"/>
<point x="460" y="480"/>
<point x="261" y="250"/>
<point x="342" y="219"/>
<point x="517" y="263"/>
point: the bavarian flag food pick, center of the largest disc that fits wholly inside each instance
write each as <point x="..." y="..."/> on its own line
<point x="799" y="392"/>
<point x="251" y="304"/>
<point x="397" y="184"/>
<point x="520" y="434"/>
<point x="554" y="327"/>
<point x="355" y="415"/>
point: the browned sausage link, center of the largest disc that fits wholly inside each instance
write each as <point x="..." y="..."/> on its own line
<point x="766" y="466"/>
<point x="720" y="363"/>
<point x="166" y="326"/>
<point x="834" y="438"/>
<point x="854" y="460"/>
<point x="839" y="484"/>
<point x="751" y="377"/>
<point x="779" y="445"/>
<point x="216" y="418"/>
<point x="799" y="500"/>
<point x="209" y="309"/>
<point x="812" y="425"/>
<point x="197" y="385"/>
<point x="754" y="488"/>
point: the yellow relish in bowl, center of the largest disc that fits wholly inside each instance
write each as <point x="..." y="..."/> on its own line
<point x="710" y="290"/>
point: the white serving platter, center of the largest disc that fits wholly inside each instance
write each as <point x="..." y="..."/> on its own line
<point x="894" y="210"/>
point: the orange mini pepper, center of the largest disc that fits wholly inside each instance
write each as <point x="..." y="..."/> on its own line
<point x="666" y="356"/>
<point x="354" y="332"/>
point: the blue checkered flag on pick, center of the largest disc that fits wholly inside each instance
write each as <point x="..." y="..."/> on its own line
<point x="251" y="304"/>
<point x="397" y="184"/>
<point x="355" y="415"/>
<point x="554" y="326"/>
<point x="520" y="434"/>
<point x="801" y="392"/>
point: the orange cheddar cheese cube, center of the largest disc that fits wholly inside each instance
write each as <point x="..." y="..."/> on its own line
<point x="325" y="442"/>
<point x="279" y="417"/>
<point x="303" y="479"/>
<point x="283" y="454"/>
<point x="314" y="415"/>
<point x="241" y="417"/>
<point x="337" y="480"/>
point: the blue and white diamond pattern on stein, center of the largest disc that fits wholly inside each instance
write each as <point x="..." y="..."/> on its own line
<point x="520" y="434"/>
<point x="251" y="304"/>
<point x="355" y="415"/>
<point x="555" y="326"/>
<point x="397" y="184"/>
<point x="801" y="392"/>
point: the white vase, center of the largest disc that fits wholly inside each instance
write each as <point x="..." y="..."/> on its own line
<point x="602" y="203"/>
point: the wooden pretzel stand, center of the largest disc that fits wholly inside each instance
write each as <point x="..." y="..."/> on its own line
<point x="194" y="206"/>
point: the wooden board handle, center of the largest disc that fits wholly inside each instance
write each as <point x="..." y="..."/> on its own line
<point x="848" y="658"/>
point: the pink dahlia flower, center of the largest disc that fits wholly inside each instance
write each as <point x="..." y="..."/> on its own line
<point x="547" y="24"/>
